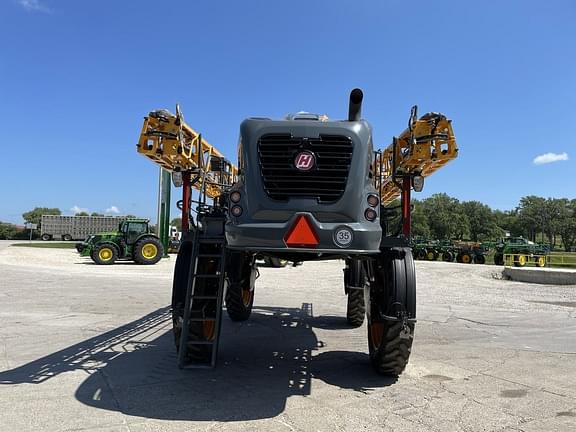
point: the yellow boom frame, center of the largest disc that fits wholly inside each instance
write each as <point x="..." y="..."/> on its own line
<point x="426" y="146"/>
<point x="168" y="141"/>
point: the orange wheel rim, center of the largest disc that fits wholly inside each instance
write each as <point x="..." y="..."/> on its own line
<point x="465" y="259"/>
<point x="376" y="334"/>
<point x="208" y="329"/>
<point x="246" y="297"/>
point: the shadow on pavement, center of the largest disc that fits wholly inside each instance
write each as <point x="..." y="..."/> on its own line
<point x="262" y="362"/>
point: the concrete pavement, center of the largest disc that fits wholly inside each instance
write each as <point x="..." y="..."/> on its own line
<point x="85" y="347"/>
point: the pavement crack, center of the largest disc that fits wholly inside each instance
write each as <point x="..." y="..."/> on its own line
<point x="286" y="423"/>
<point x="482" y="323"/>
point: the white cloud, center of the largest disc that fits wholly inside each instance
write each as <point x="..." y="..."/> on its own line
<point x="112" y="209"/>
<point x="33" y="6"/>
<point x="77" y="209"/>
<point x="549" y="158"/>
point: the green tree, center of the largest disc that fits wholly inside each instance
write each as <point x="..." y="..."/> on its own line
<point x="481" y="221"/>
<point x="532" y="216"/>
<point x="35" y="215"/>
<point x="7" y="231"/>
<point x="177" y="222"/>
<point x="507" y="222"/>
<point x="82" y="213"/>
<point x="565" y="223"/>
<point x="96" y="214"/>
<point x="446" y="217"/>
<point x="420" y="227"/>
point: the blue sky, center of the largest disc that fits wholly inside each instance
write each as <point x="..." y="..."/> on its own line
<point x="77" y="77"/>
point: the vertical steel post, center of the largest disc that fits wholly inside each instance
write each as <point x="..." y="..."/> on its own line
<point x="406" y="220"/>
<point x="163" y="228"/>
<point x="186" y="201"/>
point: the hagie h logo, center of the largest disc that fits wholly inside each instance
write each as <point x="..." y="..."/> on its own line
<point x="304" y="161"/>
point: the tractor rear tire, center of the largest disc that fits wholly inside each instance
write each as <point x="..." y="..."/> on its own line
<point x="420" y="254"/>
<point x="179" y="287"/>
<point x="240" y="291"/>
<point x="390" y="345"/>
<point x="431" y="255"/>
<point x="479" y="259"/>
<point x="499" y="259"/>
<point x="148" y="251"/>
<point x="356" y="308"/>
<point x="394" y="287"/>
<point x="465" y="258"/>
<point x="447" y="257"/>
<point x="104" y="254"/>
<point x="540" y="261"/>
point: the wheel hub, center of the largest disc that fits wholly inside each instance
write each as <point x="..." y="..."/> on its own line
<point x="149" y="251"/>
<point x="105" y="254"/>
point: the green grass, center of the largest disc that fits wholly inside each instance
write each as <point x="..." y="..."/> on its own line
<point x="50" y="245"/>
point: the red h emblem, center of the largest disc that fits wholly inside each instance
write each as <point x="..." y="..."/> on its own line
<point x="305" y="161"/>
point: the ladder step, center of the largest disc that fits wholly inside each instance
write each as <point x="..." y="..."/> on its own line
<point x="203" y="319"/>
<point x="217" y="240"/>
<point x="210" y="256"/>
<point x="203" y="297"/>
<point x="206" y="365"/>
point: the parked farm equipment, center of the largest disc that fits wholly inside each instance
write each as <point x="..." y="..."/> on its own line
<point x="133" y="241"/>
<point x="519" y="251"/>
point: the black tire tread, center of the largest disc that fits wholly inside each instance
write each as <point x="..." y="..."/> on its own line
<point x="138" y="258"/>
<point x="96" y="259"/>
<point x="237" y="310"/>
<point x="356" y="308"/>
<point x="394" y="352"/>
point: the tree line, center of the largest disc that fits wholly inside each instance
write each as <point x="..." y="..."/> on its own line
<point x="549" y="220"/>
<point x="439" y="217"/>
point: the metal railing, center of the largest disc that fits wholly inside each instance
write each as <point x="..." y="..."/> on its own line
<point x="526" y="260"/>
<point x="539" y="260"/>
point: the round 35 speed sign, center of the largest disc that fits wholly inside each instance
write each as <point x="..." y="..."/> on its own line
<point x="343" y="237"/>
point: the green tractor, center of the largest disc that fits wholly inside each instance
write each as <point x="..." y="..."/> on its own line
<point x="521" y="250"/>
<point x="133" y="241"/>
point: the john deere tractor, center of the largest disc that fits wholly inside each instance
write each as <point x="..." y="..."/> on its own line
<point x="133" y="241"/>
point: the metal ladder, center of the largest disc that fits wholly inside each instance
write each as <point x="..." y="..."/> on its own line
<point x="205" y="291"/>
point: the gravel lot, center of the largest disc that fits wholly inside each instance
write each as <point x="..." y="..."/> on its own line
<point x="86" y="347"/>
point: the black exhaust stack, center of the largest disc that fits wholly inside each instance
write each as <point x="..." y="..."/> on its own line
<point x="355" y="106"/>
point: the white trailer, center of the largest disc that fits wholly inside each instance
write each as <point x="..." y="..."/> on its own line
<point x="77" y="227"/>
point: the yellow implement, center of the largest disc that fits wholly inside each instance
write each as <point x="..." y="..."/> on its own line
<point x="169" y="142"/>
<point x="426" y="146"/>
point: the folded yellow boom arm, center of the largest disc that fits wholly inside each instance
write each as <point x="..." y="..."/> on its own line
<point x="169" y="142"/>
<point x="426" y="146"/>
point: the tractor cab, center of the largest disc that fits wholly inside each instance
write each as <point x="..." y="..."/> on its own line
<point x="132" y="229"/>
